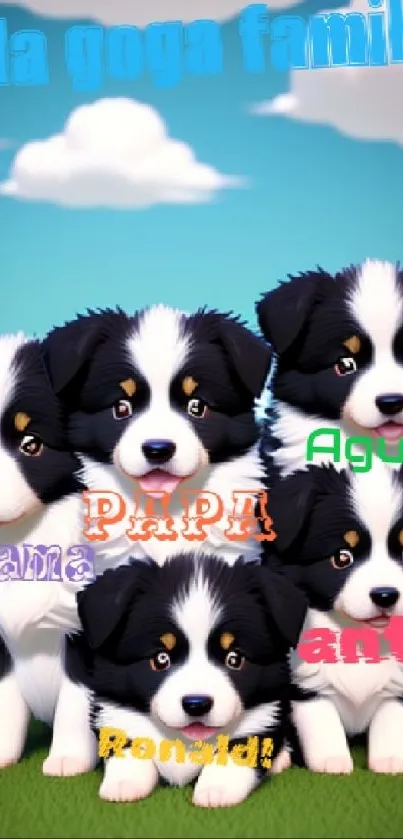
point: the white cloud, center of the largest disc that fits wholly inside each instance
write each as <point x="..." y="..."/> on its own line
<point x="113" y="153"/>
<point x="361" y="102"/>
<point x="140" y="12"/>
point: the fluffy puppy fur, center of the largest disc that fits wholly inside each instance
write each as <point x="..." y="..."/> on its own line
<point x="187" y="651"/>
<point x="40" y="504"/>
<point x="339" y="538"/>
<point x="163" y="402"/>
<point x="339" y="346"/>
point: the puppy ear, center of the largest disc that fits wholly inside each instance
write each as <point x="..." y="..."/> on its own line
<point x="103" y="603"/>
<point x="286" y="604"/>
<point x="66" y="349"/>
<point x="283" y="313"/>
<point x="248" y="354"/>
<point x="288" y="504"/>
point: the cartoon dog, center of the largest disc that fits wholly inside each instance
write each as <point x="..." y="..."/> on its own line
<point x="40" y="505"/>
<point x="187" y="651"/>
<point x="339" y="346"/>
<point x="162" y="403"/>
<point x="340" y="539"/>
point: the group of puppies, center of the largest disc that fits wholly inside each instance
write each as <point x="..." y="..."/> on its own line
<point x="185" y="640"/>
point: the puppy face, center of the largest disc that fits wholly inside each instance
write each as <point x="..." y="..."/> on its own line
<point x="340" y="536"/>
<point x="34" y="467"/>
<point x="340" y="346"/>
<point x="194" y="642"/>
<point x="160" y="395"/>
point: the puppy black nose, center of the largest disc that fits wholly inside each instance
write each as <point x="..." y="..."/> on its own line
<point x="384" y="597"/>
<point x="196" y="706"/>
<point x="158" y="451"/>
<point x="389" y="403"/>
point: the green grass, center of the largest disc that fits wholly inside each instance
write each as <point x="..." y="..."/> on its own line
<point x="296" y="804"/>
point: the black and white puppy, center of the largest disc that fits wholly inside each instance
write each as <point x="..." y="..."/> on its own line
<point x="340" y="539"/>
<point x="162" y="403"/>
<point x="185" y="652"/>
<point x="339" y="346"/>
<point x="40" y="508"/>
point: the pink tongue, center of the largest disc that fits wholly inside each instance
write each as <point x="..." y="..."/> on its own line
<point x="380" y="622"/>
<point x="198" y="731"/>
<point x="390" y="431"/>
<point x="157" y="482"/>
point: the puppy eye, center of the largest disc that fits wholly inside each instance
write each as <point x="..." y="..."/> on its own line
<point x="342" y="559"/>
<point x="345" y="366"/>
<point x="234" y="660"/>
<point x="31" y="445"/>
<point x="161" y="661"/>
<point x="122" y="409"/>
<point x="197" y="408"/>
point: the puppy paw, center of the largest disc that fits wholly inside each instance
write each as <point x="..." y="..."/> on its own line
<point x="74" y="758"/>
<point x="133" y="790"/>
<point x="281" y="762"/>
<point x="223" y="786"/>
<point x="66" y="766"/>
<point x="340" y="765"/>
<point x="9" y="757"/>
<point x="124" y="781"/>
<point x="386" y="765"/>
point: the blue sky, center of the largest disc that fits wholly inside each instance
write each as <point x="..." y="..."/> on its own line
<point x="313" y="197"/>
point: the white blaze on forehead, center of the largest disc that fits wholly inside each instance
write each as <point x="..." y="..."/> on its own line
<point x="376" y="303"/>
<point x="377" y="500"/>
<point x="197" y="612"/>
<point x="9" y="345"/>
<point x="159" y="347"/>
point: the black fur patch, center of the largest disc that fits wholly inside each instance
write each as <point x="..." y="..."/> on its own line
<point x="50" y="474"/>
<point x="6" y="662"/>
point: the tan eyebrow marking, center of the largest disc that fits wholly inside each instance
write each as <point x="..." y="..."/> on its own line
<point x="352" y="538"/>
<point x="401" y="537"/>
<point x="129" y="387"/>
<point x="168" y="640"/>
<point x="21" y="421"/>
<point x="226" y="640"/>
<point x="353" y="344"/>
<point x="189" y="385"/>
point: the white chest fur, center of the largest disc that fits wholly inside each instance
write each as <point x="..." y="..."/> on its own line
<point x="177" y="766"/>
<point x="242" y="474"/>
<point x="35" y="614"/>
<point x="293" y="428"/>
<point x="356" y="689"/>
